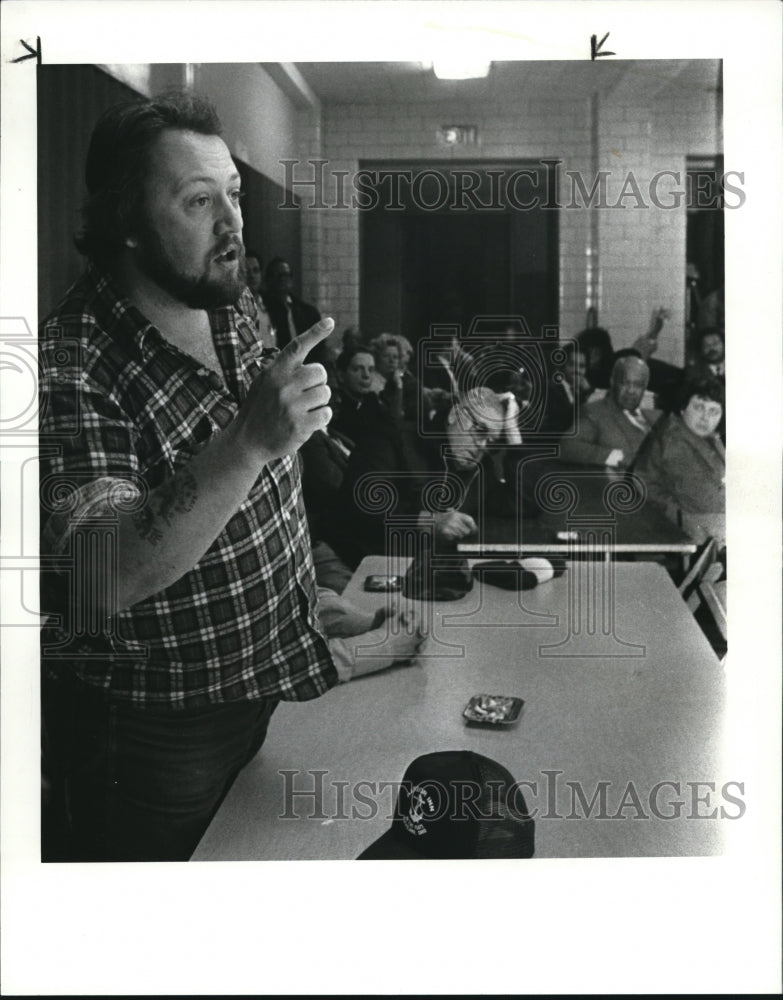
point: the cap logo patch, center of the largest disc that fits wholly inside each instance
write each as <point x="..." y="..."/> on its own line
<point x="421" y="804"/>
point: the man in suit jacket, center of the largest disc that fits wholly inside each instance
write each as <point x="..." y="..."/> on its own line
<point x="290" y="316"/>
<point x="610" y="431"/>
<point x="710" y="361"/>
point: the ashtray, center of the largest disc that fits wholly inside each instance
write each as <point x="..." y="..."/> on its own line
<point x="493" y="709"/>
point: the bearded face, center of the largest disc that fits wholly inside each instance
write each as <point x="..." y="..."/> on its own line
<point x="189" y="241"/>
<point x="219" y="282"/>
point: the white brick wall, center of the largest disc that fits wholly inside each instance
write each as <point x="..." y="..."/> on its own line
<point x="641" y="252"/>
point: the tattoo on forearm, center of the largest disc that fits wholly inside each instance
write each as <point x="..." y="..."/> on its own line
<point x="176" y="496"/>
<point x="144" y="523"/>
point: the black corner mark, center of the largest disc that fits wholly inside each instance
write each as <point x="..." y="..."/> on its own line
<point x="32" y="53"/>
<point x="595" y="47"/>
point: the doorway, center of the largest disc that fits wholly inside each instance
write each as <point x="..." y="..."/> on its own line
<point x="705" y="284"/>
<point x="459" y="262"/>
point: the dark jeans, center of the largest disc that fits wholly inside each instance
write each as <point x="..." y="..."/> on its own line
<point x="130" y="784"/>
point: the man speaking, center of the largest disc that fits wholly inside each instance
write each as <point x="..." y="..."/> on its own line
<point x="166" y="432"/>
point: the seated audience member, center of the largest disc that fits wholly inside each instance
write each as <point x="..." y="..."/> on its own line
<point x="610" y="430"/>
<point x="596" y="345"/>
<point x="710" y="360"/>
<point x="402" y="344"/>
<point x="263" y="323"/>
<point x="567" y="391"/>
<point x="289" y="314"/>
<point x="382" y="466"/>
<point x="354" y="403"/>
<point x="396" y="386"/>
<point x="410" y="404"/>
<point x="683" y="463"/>
<point x="399" y="387"/>
<point x="362" y="642"/>
<point x="323" y="460"/>
<point x="476" y="430"/>
<point x="330" y="570"/>
<point x="477" y="420"/>
<point x="511" y="388"/>
<point x="648" y="401"/>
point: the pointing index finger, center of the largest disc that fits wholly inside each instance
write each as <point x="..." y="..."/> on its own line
<point x="295" y="352"/>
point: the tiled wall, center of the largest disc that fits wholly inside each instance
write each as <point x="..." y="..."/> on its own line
<point x="640" y="252"/>
<point x="259" y="121"/>
<point x="351" y="133"/>
<point x="650" y="122"/>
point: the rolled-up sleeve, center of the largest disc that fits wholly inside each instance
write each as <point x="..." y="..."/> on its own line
<point x="102" y="498"/>
<point x="88" y="456"/>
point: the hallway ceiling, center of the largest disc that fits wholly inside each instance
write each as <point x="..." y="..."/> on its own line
<point x="408" y="83"/>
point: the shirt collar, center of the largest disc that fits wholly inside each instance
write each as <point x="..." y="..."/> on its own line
<point x="115" y="313"/>
<point x="120" y="318"/>
<point x="636" y="417"/>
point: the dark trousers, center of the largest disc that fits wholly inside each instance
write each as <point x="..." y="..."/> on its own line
<point x="128" y="784"/>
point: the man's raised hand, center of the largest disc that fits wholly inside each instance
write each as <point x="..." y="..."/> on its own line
<point x="288" y="402"/>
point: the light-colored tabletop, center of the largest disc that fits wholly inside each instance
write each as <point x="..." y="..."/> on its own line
<point x="507" y="546"/>
<point x="619" y="739"/>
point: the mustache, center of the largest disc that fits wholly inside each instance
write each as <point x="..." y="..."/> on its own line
<point x="229" y="243"/>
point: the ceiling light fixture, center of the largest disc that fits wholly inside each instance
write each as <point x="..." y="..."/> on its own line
<point x="460" y="68"/>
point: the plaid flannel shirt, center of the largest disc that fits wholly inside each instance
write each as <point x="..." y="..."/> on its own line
<point x="122" y="409"/>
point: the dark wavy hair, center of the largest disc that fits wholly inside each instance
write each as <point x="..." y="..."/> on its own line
<point x="117" y="163"/>
<point x="704" y="387"/>
<point x="347" y="354"/>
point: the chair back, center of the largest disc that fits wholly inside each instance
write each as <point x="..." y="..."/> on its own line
<point x="699" y="588"/>
<point x="703" y="560"/>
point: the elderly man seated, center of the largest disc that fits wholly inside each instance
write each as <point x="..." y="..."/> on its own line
<point x="482" y="451"/>
<point x="610" y="431"/>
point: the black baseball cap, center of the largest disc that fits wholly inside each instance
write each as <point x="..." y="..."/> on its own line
<point x="456" y="804"/>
